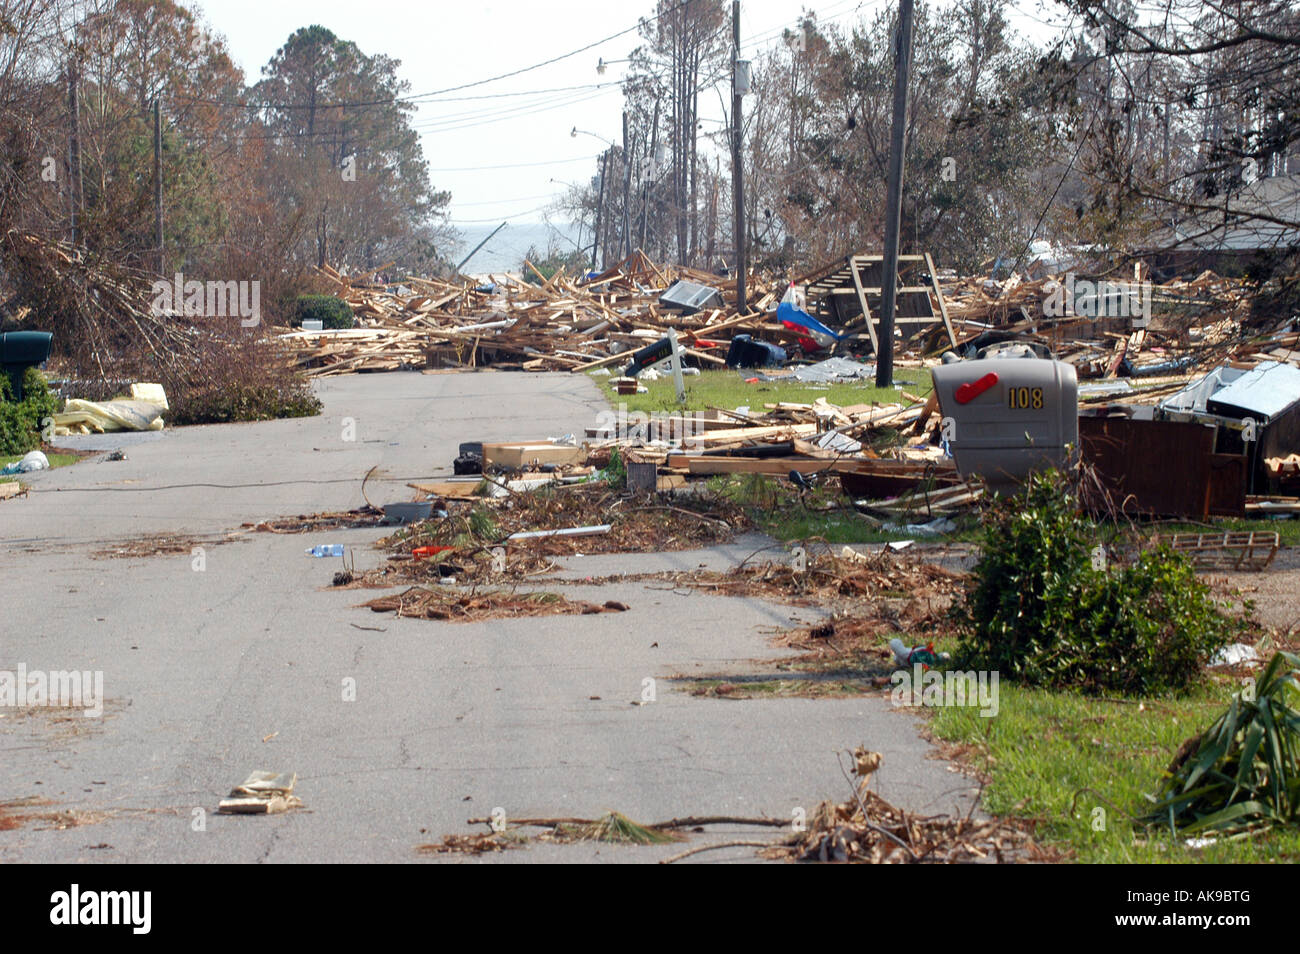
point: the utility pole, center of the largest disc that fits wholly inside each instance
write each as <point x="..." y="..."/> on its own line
<point x="479" y="246"/>
<point x="894" y="200"/>
<point x="627" y="189"/>
<point x="737" y="173"/>
<point x="650" y="173"/>
<point x="157" y="185"/>
<point x="74" y="144"/>
<point x="600" y="205"/>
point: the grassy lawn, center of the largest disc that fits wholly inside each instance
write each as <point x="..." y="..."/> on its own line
<point x="727" y="389"/>
<point x="56" y="460"/>
<point x="1043" y="747"/>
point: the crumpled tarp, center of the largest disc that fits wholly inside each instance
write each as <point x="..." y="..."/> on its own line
<point x="825" y="372"/>
<point x="34" y="460"/>
<point x="142" y="412"/>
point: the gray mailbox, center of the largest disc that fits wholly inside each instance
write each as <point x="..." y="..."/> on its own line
<point x="1005" y="417"/>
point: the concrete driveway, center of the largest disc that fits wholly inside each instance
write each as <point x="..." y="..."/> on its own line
<point x="250" y="662"/>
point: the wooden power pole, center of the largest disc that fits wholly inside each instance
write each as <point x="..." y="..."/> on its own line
<point x="894" y="200"/>
<point x="737" y="173"/>
<point x="600" y="205"/>
<point x="74" y="145"/>
<point x="158" y="186"/>
<point x="626" y="245"/>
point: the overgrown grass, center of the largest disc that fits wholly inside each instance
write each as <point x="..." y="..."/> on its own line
<point x="1043" y="747"/>
<point x="727" y="389"/>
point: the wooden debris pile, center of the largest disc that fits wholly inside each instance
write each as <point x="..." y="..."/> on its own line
<point x="559" y="324"/>
<point x="1194" y="322"/>
<point x="521" y="534"/>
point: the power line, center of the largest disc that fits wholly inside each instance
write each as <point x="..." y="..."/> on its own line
<point x="518" y="165"/>
<point x="495" y="218"/>
<point x="518" y="198"/>
<point x="392" y="100"/>
<point x="469" y="121"/>
<point x="528" y="92"/>
<point x="432" y="126"/>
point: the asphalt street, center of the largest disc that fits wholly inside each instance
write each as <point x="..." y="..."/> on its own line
<point x="246" y="659"/>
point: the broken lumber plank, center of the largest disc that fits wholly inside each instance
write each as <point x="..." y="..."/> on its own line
<point x="781" y="466"/>
<point x="780" y="432"/>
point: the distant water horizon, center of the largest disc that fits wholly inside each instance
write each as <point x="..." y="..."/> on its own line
<point x="506" y="250"/>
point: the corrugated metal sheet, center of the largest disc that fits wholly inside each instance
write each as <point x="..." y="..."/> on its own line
<point x="1266" y="391"/>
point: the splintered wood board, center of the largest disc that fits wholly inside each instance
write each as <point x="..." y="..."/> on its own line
<point x="456" y="489"/>
<point x="11" y="488"/>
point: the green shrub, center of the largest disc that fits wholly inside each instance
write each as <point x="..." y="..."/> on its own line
<point x="616" y="470"/>
<point x="550" y="262"/>
<point x="20" y="421"/>
<point x="332" y="312"/>
<point x="1038" y="612"/>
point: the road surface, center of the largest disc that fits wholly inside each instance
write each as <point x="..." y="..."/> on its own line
<point x="243" y="660"/>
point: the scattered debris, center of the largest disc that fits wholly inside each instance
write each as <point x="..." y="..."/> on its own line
<point x="1235" y="654"/>
<point x="612" y="827"/>
<point x="11" y="488"/>
<point x="262" y="793"/>
<point x="98" y="417"/>
<point x="34" y="810"/>
<point x="476" y="844"/>
<point x="871" y="830"/>
<point x="163" y="544"/>
<point x="366" y="516"/>
<point x="457" y="607"/>
<point x="33" y="460"/>
<point x="1247" y="550"/>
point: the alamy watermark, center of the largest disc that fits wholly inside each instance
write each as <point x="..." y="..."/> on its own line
<point x="932" y="688"/>
<point x="196" y="299"/>
<point x="1099" y="299"/>
<point x="60" y="688"/>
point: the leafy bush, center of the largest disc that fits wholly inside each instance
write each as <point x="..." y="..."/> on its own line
<point x="20" y="421"/>
<point x="332" y="312"/>
<point x="1038" y="612"/>
<point x="546" y="265"/>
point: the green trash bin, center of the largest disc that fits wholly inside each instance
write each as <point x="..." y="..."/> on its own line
<point x="20" y="350"/>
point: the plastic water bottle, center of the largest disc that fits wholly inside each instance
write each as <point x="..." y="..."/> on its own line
<point x="327" y="550"/>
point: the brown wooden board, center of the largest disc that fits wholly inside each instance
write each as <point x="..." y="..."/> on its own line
<point x="1163" y="468"/>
